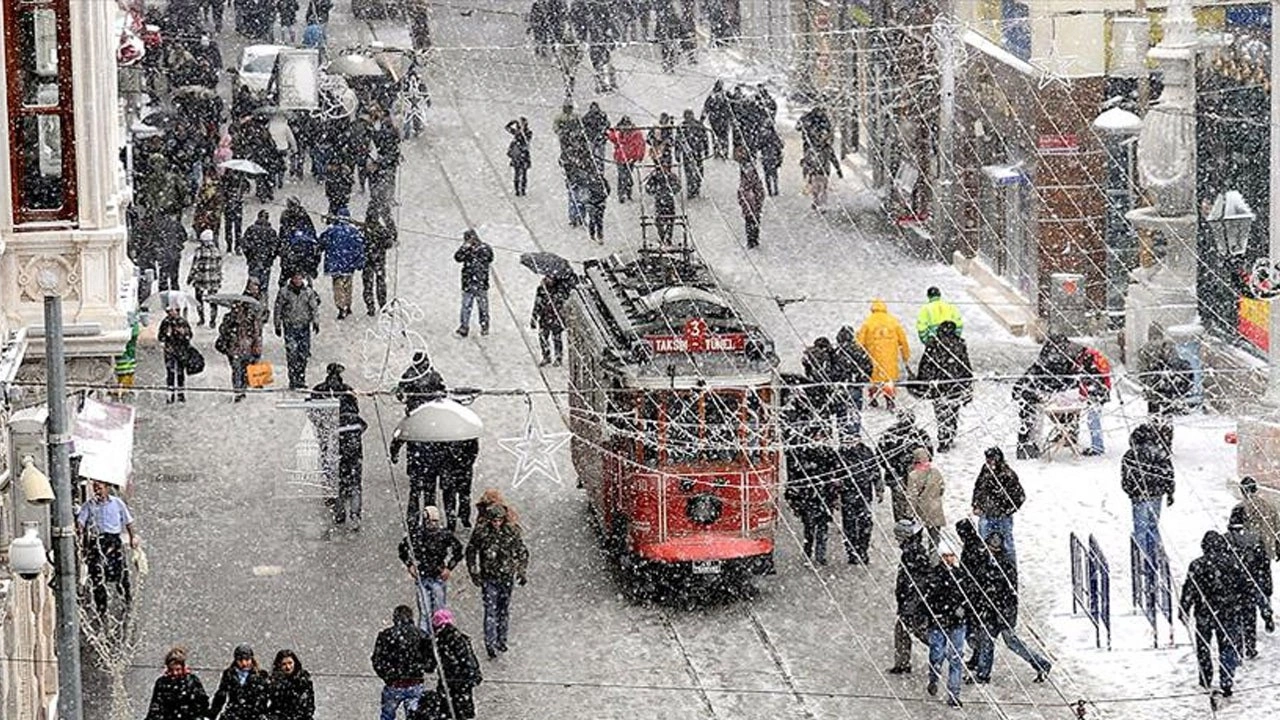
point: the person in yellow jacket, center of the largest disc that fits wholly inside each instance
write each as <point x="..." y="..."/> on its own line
<point x="935" y="312"/>
<point x="885" y="340"/>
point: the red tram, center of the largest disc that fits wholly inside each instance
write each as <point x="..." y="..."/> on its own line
<point x="673" y="410"/>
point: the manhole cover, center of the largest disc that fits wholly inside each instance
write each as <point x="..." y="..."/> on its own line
<point x="177" y="477"/>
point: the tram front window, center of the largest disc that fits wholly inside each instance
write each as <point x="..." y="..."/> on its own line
<point x="703" y="427"/>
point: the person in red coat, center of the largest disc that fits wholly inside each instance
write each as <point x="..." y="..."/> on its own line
<point x="628" y="151"/>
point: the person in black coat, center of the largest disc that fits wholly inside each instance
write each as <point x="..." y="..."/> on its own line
<point x="996" y="593"/>
<point x="459" y="668"/>
<point x="862" y="482"/>
<point x="519" y="155"/>
<point x="430" y="553"/>
<point x="914" y="568"/>
<point x="896" y="448"/>
<point x="851" y="364"/>
<point x="997" y="495"/>
<point x="476" y="257"/>
<point x="1252" y="569"/>
<point x="350" y="445"/>
<point x="402" y="658"/>
<point x="1166" y="379"/>
<point x="178" y="694"/>
<point x="291" y="695"/>
<point x="692" y="142"/>
<point x="717" y="114"/>
<point x="1146" y="476"/>
<point x="242" y="692"/>
<point x="770" y="158"/>
<point x="1208" y="593"/>
<point x="813" y="487"/>
<point x="947" y="376"/>
<point x="1055" y="370"/>
<point x="261" y="246"/>
<point x="823" y="371"/>
<point x="949" y="614"/>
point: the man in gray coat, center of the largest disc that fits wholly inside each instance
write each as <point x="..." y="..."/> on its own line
<point x="297" y="315"/>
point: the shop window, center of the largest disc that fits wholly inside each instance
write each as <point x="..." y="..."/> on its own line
<point x="42" y="160"/>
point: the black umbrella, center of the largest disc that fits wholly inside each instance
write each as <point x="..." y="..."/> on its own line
<point x="160" y="120"/>
<point x="549" y="264"/>
<point x="231" y="300"/>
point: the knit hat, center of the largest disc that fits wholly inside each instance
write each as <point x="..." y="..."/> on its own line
<point x="441" y="617"/>
<point x="994" y="453"/>
<point x="1248" y="484"/>
<point x="906" y="529"/>
<point x="334" y="368"/>
<point x="1237" y="518"/>
<point x="243" y="652"/>
<point x="206" y="235"/>
<point x="921" y="454"/>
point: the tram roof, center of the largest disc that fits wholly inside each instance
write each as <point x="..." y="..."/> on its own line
<point x="642" y="305"/>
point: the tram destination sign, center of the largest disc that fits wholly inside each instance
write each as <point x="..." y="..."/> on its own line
<point x="697" y="339"/>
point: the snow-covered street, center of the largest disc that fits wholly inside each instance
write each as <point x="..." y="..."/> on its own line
<point x="242" y="553"/>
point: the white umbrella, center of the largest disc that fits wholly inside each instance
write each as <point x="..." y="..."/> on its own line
<point x="439" y="421"/>
<point x="244" y="166"/>
<point x="355" y="66"/>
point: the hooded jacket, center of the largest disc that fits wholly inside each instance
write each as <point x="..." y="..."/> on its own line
<point x="1146" y="470"/>
<point x="885" y="340"/>
<point x="1207" y="591"/>
<point x="178" y="697"/>
<point x="997" y="492"/>
<point x="945" y="370"/>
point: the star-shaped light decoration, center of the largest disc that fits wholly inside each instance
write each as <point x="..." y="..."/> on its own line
<point x="535" y="452"/>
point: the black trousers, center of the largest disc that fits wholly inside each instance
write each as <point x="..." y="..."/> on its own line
<point x="815" y="539"/>
<point x="521" y="180"/>
<point x="753" y="231"/>
<point x="947" y="412"/>
<point x="373" y="281"/>
<point x="855" y="520"/>
<point x="104" y="554"/>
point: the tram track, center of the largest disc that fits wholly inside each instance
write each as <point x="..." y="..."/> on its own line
<point x="693" y="660"/>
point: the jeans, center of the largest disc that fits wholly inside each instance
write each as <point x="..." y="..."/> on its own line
<point x="815" y="539"/>
<point x="393" y="697"/>
<point x="297" y="351"/>
<point x="481" y="300"/>
<point x="497" y="613"/>
<point x="1227" y="633"/>
<point x="903" y="631"/>
<point x="175" y="374"/>
<point x="984" y="643"/>
<point x="1146" y="533"/>
<point x="233" y="220"/>
<point x="432" y="596"/>
<point x="947" y="644"/>
<point x="548" y="338"/>
<point x="1093" y="415"/>
<point x="577" y="208"/>
<point x="1004" y="526"/>
<point x="240" y="371"/>
<point x="625" y="181"/>
<point x="262" y="273"/>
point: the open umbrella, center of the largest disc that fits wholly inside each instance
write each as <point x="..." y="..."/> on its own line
<point x="160" y="120"/>
<point x="244" y="166"/>
<point x="355" y="66"/>
<point x="232" y="299"/>
<point x="549" y="264"/>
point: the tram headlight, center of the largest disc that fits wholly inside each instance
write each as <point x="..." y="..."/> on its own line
<point x="704" y="509"/>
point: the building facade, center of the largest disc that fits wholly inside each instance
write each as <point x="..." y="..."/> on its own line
<point x="62" y="232"/>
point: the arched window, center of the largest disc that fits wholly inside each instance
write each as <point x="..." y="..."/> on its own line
<point x="42" y="148"/>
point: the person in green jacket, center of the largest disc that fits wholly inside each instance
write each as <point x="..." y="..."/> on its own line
<point x="127" y="361"/>
<point x="935" y="312"/>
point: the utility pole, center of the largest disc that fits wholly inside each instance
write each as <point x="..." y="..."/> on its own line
<point x="70" y="702"/>
<point x="878" y="144"/>
<point x="944" y="32"/>
<point x="1273" y="221"/>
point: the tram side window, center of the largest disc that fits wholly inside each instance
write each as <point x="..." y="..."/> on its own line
<point x="651" y="413"/>
<point x="682" y="426"/>
<point x="723" y="411"/>
<point x="757" y="420"/>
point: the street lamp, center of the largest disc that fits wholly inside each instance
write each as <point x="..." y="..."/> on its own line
<point x="1231" y="220"/>
<point x="36" y="487"/>
<point x="27" y="555"/>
